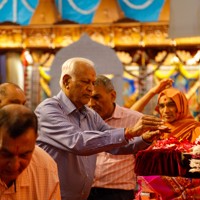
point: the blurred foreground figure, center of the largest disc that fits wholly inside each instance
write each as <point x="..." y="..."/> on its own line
<point x="26" y="171"/>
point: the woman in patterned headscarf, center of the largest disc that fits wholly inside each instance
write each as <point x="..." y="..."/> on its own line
<point x="172" y="105"/>
<point x="174" y="110"/>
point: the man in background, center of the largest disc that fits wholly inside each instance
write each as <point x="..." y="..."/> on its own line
<point x="114" y="175"/>
<point x="11" y="93"/>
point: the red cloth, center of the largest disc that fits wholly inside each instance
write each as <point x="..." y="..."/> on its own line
<point x="171" y="188"/>
<point x="166" y="162"/>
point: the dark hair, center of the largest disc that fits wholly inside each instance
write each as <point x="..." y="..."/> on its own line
<point x="16" y="119"/>
<point x="104" y="81"/>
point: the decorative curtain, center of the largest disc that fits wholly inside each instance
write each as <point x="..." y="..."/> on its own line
<point x="79" y="11"/>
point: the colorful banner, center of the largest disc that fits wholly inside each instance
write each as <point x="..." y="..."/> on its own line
<point x="17" y="11"/>
<point x="79" y="11"/>
<point x="142" y="10"/>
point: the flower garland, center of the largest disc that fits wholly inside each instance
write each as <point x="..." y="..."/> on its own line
<point x="178" y="67"/>
<point x="44" y="80"/>
<point x="161" y="75"/>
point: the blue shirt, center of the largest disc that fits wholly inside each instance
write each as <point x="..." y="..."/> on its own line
<point x="73" y="137"/>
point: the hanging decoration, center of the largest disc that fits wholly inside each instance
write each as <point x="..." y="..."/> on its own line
<point x="142" y="10"/>
<point x="17" y="11"/>
<point x="178" y="62"/>
<point x="187" y="74"/>
<point x="44" y="75"/>
<point x="138" y="56"/>
<point x="44" y="81"/>
<point x="36" y="77"/>
<point x="161" y="75"/>
<point x="179" y="68"/>
<point x="79" y="11"/>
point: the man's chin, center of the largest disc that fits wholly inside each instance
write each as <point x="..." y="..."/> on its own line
<point x="85" y="101"/>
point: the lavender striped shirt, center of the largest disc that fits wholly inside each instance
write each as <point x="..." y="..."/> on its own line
<point x="73" y="138"/>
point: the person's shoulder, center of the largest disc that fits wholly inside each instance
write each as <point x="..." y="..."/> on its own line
<point x="46" y="101"/>
<point x="41" y="159"/>
<point x="43" y="103"/>
<point x="46" y="104"/>
<point x="41" y="175"/>
<point x="128" y="111"/>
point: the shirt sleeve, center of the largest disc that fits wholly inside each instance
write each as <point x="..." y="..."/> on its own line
<point x="86" y="136"/>
<point x="135" y="145"/>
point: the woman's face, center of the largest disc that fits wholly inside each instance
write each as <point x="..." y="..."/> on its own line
<point x="167" y="109"/>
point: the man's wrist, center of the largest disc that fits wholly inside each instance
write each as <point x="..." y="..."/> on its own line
<point x="146" y="140"/>
<point x="127" y="135"/>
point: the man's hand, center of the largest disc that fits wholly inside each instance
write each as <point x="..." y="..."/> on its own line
<point x="150" y="136"/>
<point x="146" y="123"/>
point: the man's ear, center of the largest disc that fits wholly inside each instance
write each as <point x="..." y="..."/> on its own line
<point x="66" y="80"/>
<point x="113" y="95"/>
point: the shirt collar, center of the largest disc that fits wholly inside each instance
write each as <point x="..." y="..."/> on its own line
<point x="22" y="181"/>
<point x="68" y="106"/>
<point x="117" y="114"/>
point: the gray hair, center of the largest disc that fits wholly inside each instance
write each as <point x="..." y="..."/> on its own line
<point x="104" y="81"/>
<point x="68" y="66"/>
